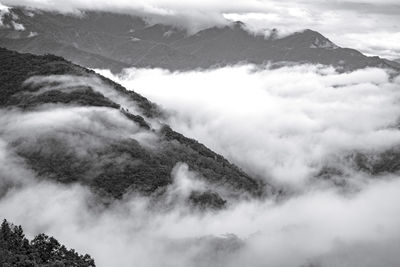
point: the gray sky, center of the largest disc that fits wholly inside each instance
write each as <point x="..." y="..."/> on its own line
<point x="371" y="26"/>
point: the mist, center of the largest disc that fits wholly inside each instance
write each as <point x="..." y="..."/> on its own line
<point x="280" y="125"/>
<point x="313" y="228"/>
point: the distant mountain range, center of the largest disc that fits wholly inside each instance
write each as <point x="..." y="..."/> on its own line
<point x="117" y="41"/>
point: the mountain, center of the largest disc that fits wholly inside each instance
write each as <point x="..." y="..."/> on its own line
<point x="92" y="131"/>
<point x="233" y="44"/>
<point x="115" y="41"/>
<point x="47" y="46"/>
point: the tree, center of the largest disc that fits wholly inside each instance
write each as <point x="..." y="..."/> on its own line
<point x="17" y="250"/>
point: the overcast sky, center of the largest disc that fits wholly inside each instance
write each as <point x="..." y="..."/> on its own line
<point x="371" y="26"/>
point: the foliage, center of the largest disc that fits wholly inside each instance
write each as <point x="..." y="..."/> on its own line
<point x="83" y="96"/>
<point x="15" y="68"/>
<point x="208" y="199"/>
<point x="17" y="250"/>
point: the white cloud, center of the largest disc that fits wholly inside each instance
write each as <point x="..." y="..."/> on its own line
<point x="3" y="11"/>
<point x="17" y="26"/>
<point x="282" y="124"/>
<point x="310" y="228"/>
<point x="383" y="43"/>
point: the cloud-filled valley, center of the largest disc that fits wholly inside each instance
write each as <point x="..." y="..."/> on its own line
<point x="172" y="133"/>
<point x="282" y="124"/>
<point x="319" y="146"/>
<point x="302" y="128"/>
<point x="313" y="228"/>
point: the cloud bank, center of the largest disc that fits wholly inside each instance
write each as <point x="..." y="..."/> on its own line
<point x="284" y="124"/>
<point x="315" y="229"/>
<point x="374" y="29"/>
<point x="281" y="125"/>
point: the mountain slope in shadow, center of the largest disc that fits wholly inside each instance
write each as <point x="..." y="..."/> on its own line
<point x="70" y="125"/>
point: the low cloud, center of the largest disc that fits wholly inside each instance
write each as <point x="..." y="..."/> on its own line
<point x="312" y="228"/>
<point x="281" y="125"/>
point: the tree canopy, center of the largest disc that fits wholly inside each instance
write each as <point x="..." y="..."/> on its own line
<point x="42" y="250"/>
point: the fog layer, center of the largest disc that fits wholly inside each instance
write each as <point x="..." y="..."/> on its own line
<point x="284" y="124"/>
<point x="281" y="125"/>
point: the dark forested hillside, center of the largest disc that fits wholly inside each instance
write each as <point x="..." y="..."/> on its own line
<point x="16" y="68"/>
<point x="42" y="250"/>
<point x="88" y="137"/>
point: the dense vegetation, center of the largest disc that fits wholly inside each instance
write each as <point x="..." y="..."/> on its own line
<point x="208" y="199"/>
<point x="16" y="68"/>
<point x="120" y="164"/>
<point x="16" y="250"/>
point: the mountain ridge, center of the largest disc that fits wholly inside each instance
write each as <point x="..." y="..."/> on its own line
<point x="125" y="154"/>
<point x="115" y="41"/>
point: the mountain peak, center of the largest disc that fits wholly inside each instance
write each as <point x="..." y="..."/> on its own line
<point x="238" y="23"/>
<point x="101" y="40"/>
<point x="310" y="39"/>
